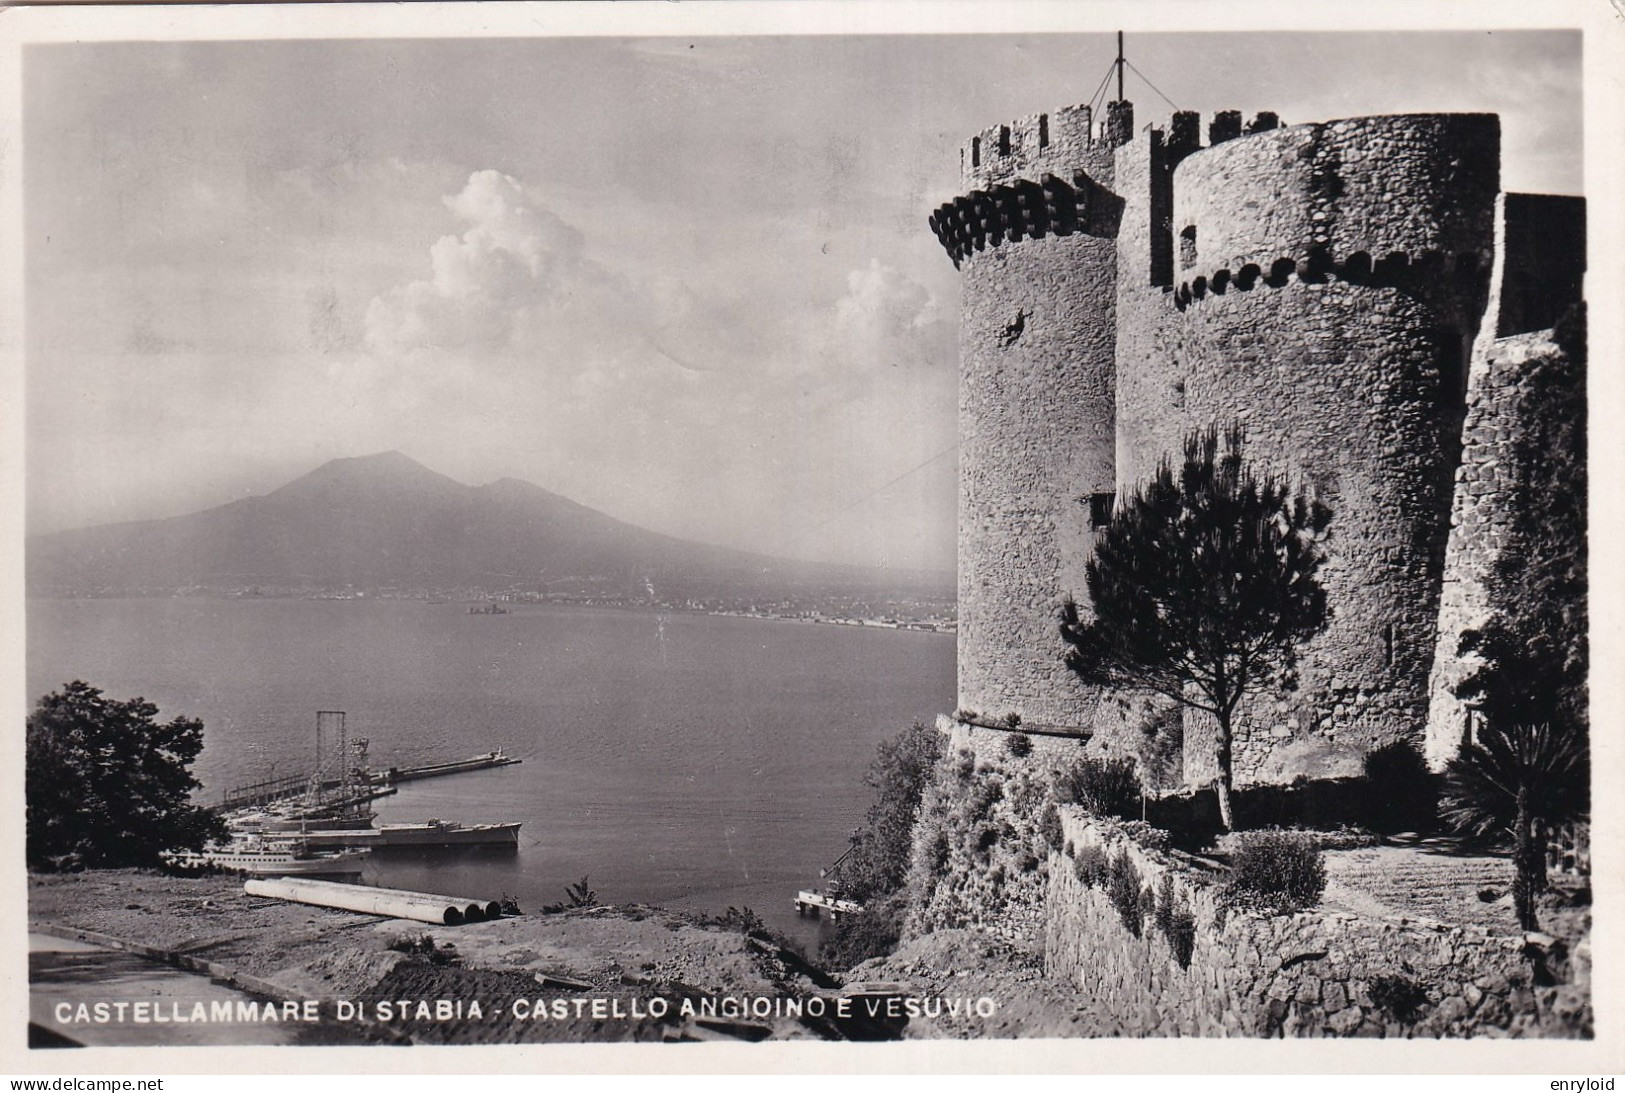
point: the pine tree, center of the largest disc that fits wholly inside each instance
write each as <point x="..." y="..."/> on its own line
<point x="1203" y="585"/>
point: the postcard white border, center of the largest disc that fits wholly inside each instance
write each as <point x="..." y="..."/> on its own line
<point x="1603" y="24"/>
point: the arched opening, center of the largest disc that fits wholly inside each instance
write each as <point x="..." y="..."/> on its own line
<point x="1187" y="246"/>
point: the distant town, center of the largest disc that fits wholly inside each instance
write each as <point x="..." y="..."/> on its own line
<point x="829" y="608"/>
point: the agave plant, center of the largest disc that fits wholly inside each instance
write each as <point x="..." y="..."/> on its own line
<point x="1519" y="779"/>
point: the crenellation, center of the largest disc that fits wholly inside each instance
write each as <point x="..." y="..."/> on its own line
<point x="1055" y="141"/>
<point x="1226" y="125"/>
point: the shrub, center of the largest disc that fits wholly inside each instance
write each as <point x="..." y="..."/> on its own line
<point x="1143" y="834"/>
<point x="989" y="793"/>
<point x="1404" y="794"/>
<point x="903" y="767"/>
<point x="1012" y="719"/>
<point x="1176" y="922"/>
<point x="1123" y="889"/>
<point x="424" y="946"/>
<point x="856" y="938"/>
<point x="1094" y="869"/>
<point x="580" y="894"/>
<point x="965" y="765"/>
<point x="1275" y="871"/>
<point x="1049" y="826"/>
<point x="986" y="838"/>
<point x="1106" y="787"/>
<point x="1018" y="745"/>
<point x="744" y="920"/>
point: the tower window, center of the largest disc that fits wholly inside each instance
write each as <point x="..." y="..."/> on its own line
<point x="1043" y="130"/>
<point x="1388" y="634"/>
<point x="1187" y="247"/>
<point x="1004" y="140"/>
<point x="1100" y="509"/>
<point x="976" y="151"/>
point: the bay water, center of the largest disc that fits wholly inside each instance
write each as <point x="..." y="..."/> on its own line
<point x="679" y="759"/>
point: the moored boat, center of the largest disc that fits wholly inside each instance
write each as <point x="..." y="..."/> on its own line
<point x="430" y="833"/>
<point x="260" y="857"/>
<point x="448" y="833"/>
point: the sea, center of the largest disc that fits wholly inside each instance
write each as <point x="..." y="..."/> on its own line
<point x="680" y="759"/>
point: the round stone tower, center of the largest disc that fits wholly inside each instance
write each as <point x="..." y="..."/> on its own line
<point x="1034" y="236"/>
<point x="1324" y="289"/>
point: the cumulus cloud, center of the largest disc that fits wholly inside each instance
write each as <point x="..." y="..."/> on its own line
<point x="515" y="257"/>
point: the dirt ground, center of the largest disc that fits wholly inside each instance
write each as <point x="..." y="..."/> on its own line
<point x="630" y="955"/>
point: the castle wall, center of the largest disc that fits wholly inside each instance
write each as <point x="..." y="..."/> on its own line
<point x="1037" y="345"/>
<point x="1543" y="246"/>
<point x="1325" y="301"/>
<point x="1498" y="413"/>
<point x="1537" y="275"/>
<point x="1407" y="183"/>
<point x="1314" y="973"/>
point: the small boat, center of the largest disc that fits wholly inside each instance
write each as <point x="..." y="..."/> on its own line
<point x="265" y="858"/>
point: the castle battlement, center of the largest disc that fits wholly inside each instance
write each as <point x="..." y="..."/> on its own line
<point x="1056" y="142"/>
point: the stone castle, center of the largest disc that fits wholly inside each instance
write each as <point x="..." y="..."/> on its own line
<point x="1359" y="295"/>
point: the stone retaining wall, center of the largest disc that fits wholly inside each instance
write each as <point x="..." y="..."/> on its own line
<point x="1314" y="973"/>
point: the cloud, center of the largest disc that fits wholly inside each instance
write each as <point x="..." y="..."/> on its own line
<point x="517" y="262"/>
<point x="882" y="304"/>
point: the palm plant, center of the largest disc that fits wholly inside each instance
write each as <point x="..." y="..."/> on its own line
<point x="1519" y="779"/>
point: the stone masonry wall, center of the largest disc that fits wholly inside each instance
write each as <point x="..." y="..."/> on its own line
<point x="1314" y="973"/>
<point x="979" y="857"/>
<point x="1037" y="338"/>
<point x="1395" y="183"/>
<point x="1057" y="142"/>
<point x="1480" y="520"/>
<point x="1347" y="375"/>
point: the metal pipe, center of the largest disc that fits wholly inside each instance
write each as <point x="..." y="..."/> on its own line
<point x="419" y="907"/>
<point x="474" y="910"/>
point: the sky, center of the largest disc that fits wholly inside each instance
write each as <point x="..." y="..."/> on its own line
<point x="685" y="281"/>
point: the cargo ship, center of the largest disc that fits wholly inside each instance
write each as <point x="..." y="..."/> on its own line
<point x="430" y="833"/>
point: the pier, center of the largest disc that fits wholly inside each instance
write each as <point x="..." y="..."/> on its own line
<point x="810" y="900"/>
<point x="361" y="786"/>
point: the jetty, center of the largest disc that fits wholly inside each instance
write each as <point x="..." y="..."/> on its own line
<point x="809" y="901"/>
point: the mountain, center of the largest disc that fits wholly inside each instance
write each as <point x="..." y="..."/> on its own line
<point x="388" y="522"/>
